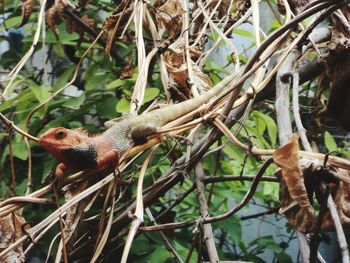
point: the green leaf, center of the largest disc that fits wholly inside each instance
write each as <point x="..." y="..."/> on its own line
<point x="19" y="150"/>
<point x="160" y="255"/>
<point x="96" y="81"/>
<point x="330" y="142"/>
<point x="123" y="105"/>
<point x="3" y="135"/>
<point x="64" y="35"/>
<point x="227" y="167"/>
<point x="41" y="92"/>
<point x="142" y="246"/>
<point x="58" y="49"/>
<point x="232" y="226"/>
<point x="107" y="108"/>
<point x="183" y="251"/>
<point x="260" y="125"/>
<point x="21" y="188"/>
<point x="283" y="257"/>
<point x="23" y="96"/>
<point x="243" y="33"/>
<point x="64" y="78"/>
<point x="268" y="242"/>
<point x="11" y="23"/>
<point x="234" y="152"/>
<point x="116" y="83"/>
<point x="271" y="127"/>
<point x="150" y="94"/>
<point x="75" y="102"/>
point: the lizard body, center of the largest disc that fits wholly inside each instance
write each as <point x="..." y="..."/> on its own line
<point x="75" y="149"/>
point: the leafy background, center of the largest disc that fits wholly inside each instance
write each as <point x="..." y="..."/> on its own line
<point x="99" y="94"/>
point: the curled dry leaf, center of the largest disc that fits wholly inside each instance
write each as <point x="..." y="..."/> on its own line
<point x="177" y="68"/>
<point x="224" y="7"/>
<point x="83" y="2"/>
<point x="337" y="72"/>
<point x="11" y="229"/>
<point x="292" y="186"/>
<point x="73" y="27"/>
<point x="111" y="22"/>
<point x="287" y="158"/>
<point x="313" y="171"/>
<point x="53" y="15"/>
<point x="27" y="8"/>
<point x="303" y="219"/>
<point x="341" y="197"/>
<point x="169" y="17"/>
<point x="127" y="71"/>
<point x="74" y="216"/>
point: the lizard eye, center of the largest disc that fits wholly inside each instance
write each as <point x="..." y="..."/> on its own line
<point x="60" y="135"/>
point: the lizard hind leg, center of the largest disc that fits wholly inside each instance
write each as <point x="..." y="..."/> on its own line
<point x="140" y="132"/>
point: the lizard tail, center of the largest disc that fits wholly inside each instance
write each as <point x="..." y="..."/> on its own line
<point x="164" y="115"/>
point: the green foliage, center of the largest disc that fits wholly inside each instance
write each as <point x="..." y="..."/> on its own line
<point x="99" y="94"/>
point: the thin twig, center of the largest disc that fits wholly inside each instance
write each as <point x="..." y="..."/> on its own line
<point x="298" y="122"/>
<point x="165" y="238"/>
<point x="339" y="229"/>
<point x="203" y="208"/>
<point x="11" y="125"/>
<point x="138" y="215"/>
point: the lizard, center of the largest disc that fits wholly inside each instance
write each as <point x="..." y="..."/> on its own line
<point x="75" y="149"/>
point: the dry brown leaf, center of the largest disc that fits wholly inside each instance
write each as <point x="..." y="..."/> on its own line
<point x="287" y="158"/>
<point x="342" y="200"/>
<point x="73" y="27"/>
<point x="27" y="8"/>
<point x="292" y="187"/>
<point x="303" y="219"/>
<point x="177" y="68"/>
<point x="11" y="229"/>
<point x="53" y="15"/>
<point x="223" y="8"/>
<point x="169" y="17"/>
<point x="336" y="75"/>
<point x="127" y="71"/>
<point x="74" y="216"/>
<point x="83" y="2"/>
<point x="339" y="190"/>
<point x="115" y="23"/>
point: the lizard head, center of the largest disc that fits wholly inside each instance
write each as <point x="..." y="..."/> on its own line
<point x="57" y="140"/>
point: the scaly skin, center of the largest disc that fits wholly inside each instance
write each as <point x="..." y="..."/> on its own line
<point x="75" y="149"/>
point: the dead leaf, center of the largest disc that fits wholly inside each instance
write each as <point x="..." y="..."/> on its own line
<point x="73" y="27"/>
<point x="169" y="18"/>
<point x="11" y="229"/>
<point x="27" y="8"/>
<point x="74" y="216"/>
<point x="53" y="15"/>
<point x="287" y="158"/>
<point x="177" y="67"/>
<point x="127" y="71"/>
<point x="292" y="188"/>
<point x="313" y="171"/>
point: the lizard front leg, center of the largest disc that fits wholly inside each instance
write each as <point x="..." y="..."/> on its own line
<point x="60" y="168"/>
<point x="108" y="160"/>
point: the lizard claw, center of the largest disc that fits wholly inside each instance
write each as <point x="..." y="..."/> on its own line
<point x="56" y="183"/>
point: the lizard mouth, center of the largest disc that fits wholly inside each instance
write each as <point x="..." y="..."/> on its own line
<point x="47" y="144"/>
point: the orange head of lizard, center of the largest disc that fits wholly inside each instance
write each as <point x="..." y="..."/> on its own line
<point x="57" y="140"/>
